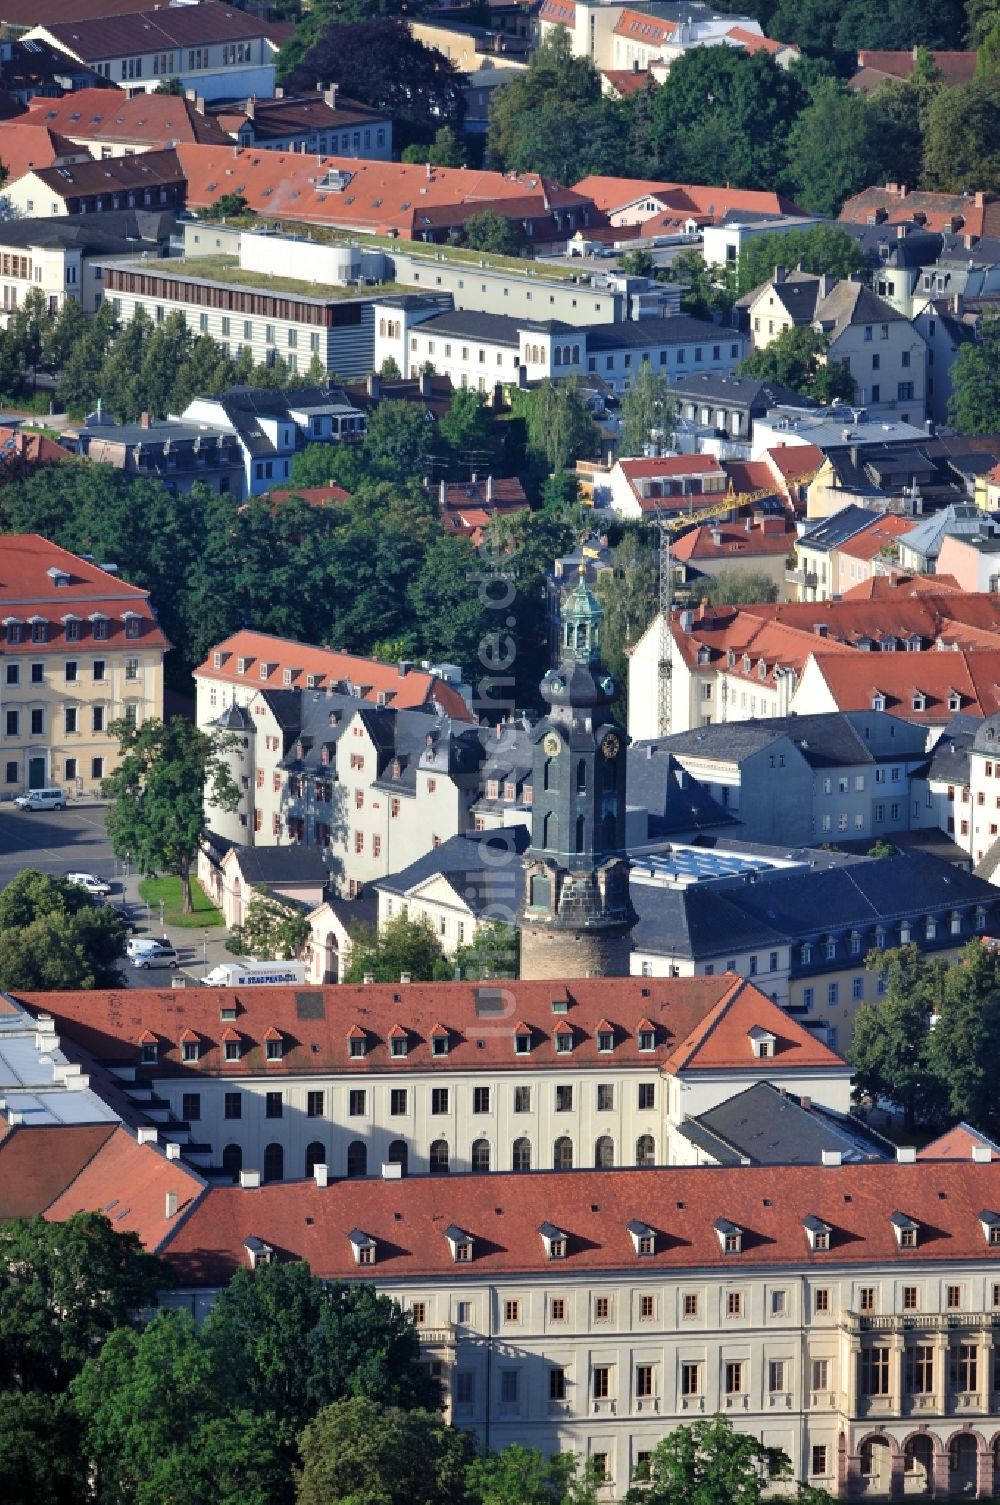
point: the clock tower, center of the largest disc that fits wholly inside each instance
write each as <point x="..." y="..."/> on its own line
<point x="577" y="914"/>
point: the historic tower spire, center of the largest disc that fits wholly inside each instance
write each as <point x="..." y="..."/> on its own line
<point x="577" y="914"/>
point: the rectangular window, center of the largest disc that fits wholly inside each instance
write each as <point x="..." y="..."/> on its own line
<point x="97" y="719"/>
<point x="512" y="1311"/>
<point x="480" y="1099"/>
<point x="508" y="1381"/>
<point x="819" y="1464"/>
<point x="557" y="1309"/>
<point x="272" y="1105"/>
<point x="953" y="1298"/>
<point x="605" y="1097"/>
<point x="314" y="1104"/>
<point x="821" y="1301"/>
<point x="734" y="1378"/>
<point x="38" y="723"/>
<point x="522" y="1099"/>
<point x="734" y="1303"/>
<point x="776" y="1376"/>
<point x="356" y="1102"/>
<point x="564" y="1097"/>
<point x="439" y="1100"/>
<point x="557" y="1383"/>
<point x="910" y="1302"/>
<point x="71" y="671"/>
<point x="964" y="1368"/>
<point x="647" y="1095"/>
<point x="233" y="1105"/>
<point x="875" y="1371"/>
<point x="690" y="1304"/>
<point x="602" y="1381"/>
<point x="397" y="1102"/>
<point x="920" y="1369"/>
<point x="779" y="1303"/>
<point x="643" y="1381"/>
<point x="690" y="1379"/>
<point x="602" y="1308"/>
<point x="69" y="718"/>
<point x="647" y="1307"/>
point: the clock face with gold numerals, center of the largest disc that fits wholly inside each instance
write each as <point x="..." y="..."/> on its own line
<point x="610" y="746"/>
<point x="552" y="744"/>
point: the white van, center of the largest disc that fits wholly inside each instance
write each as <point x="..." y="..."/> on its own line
<point x="41" y="799"/>
<point x="244" y="974"/>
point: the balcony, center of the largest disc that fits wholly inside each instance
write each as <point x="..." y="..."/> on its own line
<point x="923" y="1322"/>
<point x="437" y="1337"/>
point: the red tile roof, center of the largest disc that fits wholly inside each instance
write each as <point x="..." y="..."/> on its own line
<point x="732" y="541"/>
<point x="976" y="213"/>
<point x="385" y="198"/>
<point x="628" y="81"/>
<point x="108" y="115"/>
<point x="110" y="1024"/>
<point x="23" y="14"/>
<point x="793" y="461"/>
<point x="107" y="35"/>
<point x="147" y="170"/>
<point x="560" y="12"/>
<point x="28" y="591"/>
<point x="957" y="1144"/>
<point x="891" y="587"/>
<point x="954" y="620"/>
<point x="33" y="449"/>
<point x="879" y="535"/>
<point x="751" y="42"/>
<point x="316" y="496"/>
<point x="952" y="67"/>
<point x="750" y="475"/>
<point x="503" y="1212"/>
<point x="682" y="200"/>
<point x="328" y="667"/>
<point x="37" y="1164"/>
<point x="640" y="26"/>
<point x="28" y="145"/>
<point x="722" y="1040"/>
<point x="974" y="676"/>
<point x="301" y="114"/>
<point x="129" y="1183"/>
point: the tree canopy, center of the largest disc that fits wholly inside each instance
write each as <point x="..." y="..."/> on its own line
<point x="399" y="946"/>
<point x="975" y="401"/>
<point x="359" y="1452"/>
<point x="272" y="929"/>
<point x="709" y="1463"/>
<point x="795" y="358"/>
<point x="53" y="936"/>
<point x="168" y="770"/>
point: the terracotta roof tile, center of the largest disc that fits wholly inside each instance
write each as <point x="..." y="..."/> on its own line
<point x="877" y="536"/>
<point x="129" y="1182"/>
<point x="109" y="1024"/>
<point x="503" y="1212"/>
<point x="854" y="681"/>
<point x="27" y="145"/>
<point x="37" y="1164"/>
<point x="108" y="115"/>
<point x="681" y="199"/>
<point x="957" y="1144"/>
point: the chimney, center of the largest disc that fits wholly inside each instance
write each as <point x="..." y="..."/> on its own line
<point x="170" y="1205"/>
<point x="146" y="1134"/>
<point x="144" y="420"/>
<point x="279" y="92"/>
<point x="906" y="1154"/>
<point x="369" y="978"/>
<point x="425" y="384"/>
<point x="249" y="1180"/>
<point x="780" y="274"/>
<point x="329" y="93"/>
<point x="172" y="1149"/>
<point x="251" y="107"/>
<point x="430" y="173"/>
<point x="199" y="103"/>
<point x="956" y="303"/>
<point x="806" y="1102"/>
<point x="981" y="1154"/>
<point x="831" y="1157"/>
<point x="650" y="749"/>
<point x="374" y="386"/>
<point x="392" y="1170"/>
<point x="443" y="495"/>
<point x="404" y="977"/>
<point x="321" y="1175"/>
<point x="489" y="490"/>
<point x="980" y="201"/>
<point x="405" y="666"/>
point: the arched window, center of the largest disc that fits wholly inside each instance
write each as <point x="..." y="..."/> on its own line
<point x="562" y="1153"/>
<point x="576" y="355"/>
<point x="581" y="634"/>
<point x="547" y="774"/>
<point x="608" y="833"/>
<point x="581" y="776"/>
<point x="399" y="1154"/>
<point x="315" y="1155"/>
<point x="357" y="1158"/>
<point x="581" y="832"/>
<point x="232" y="1161"/>
<point x="604" y="1153"/>
<point x="274" y="1163"/>
<point x="558" y="357"/>
<point x="439" y="1158"/>
<point x="481" y="1155"/>
<point x="645" y="1151"/>
<point x="521" y="1156"/>
<point x="550" y="831"/>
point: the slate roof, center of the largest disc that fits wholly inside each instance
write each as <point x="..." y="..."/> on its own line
<point x="826" y="740"/>
<point x="164" y="29"/>
<point x="831" y="532"/>
<point x="483" y="867"/>
<point x="639" y="333"/>
<point x="277" y="865"/>
<point x="744" y="391"/>
<point x="957" y="520"/>
<point x="765" y="1126"/>
<point x="674" y="800"/>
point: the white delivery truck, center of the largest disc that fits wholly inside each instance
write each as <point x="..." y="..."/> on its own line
<point x="246" y="973"/>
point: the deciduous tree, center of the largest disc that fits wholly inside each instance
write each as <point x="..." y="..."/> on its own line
<point x="709" y="1463"/>
<point x="795" y="359"/>
<point x="493" y="232"/>
<point x="962" y="141"/>
<point x="272" y="929"/>
<point x="891" y="1044"/>
<point x="53" y="936"/>
<point x="647" y="412"/>
<point x="158" y="791"/>
<point x="974" y="407"/>
<point x="399" y="946"/>
<point x="356" y="1451"/>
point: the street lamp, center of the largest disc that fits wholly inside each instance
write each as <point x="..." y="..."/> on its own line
<point x="162" y="932"/>
<point x="204" y="947"/>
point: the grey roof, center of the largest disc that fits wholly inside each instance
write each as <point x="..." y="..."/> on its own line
<point x="272" y="865"/>
<point x="949" y="759"/>
<point x="112" y="234"/>
<point x="690" y="922"/>
<point x="828" y="739"/>
<point x="674" y="800"/>
<point x="676" y="329"/>
<point x="957" y="520"/>
<point x="498" y="329"/>
<point x="744" y="391"/>
<point x="885" y="246"/>
<point x="831" y="532"/>
<point x="765" y="1126"/>
<point x="475" y="865"/>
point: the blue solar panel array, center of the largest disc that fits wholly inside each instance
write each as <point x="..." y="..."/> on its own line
<point x="694" y="863"/>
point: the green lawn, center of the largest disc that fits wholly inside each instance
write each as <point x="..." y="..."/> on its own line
<point x="169" y="890"/>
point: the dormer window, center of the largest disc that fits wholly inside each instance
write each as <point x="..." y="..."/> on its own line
<point x="730" y="1236"/>
<point x="460" y="1244"/>
<point x="646" y="1035"/>
<point x="555" y="1241"/>
<point x="356" y="1043"/>
<point x="564" y="1039"/>
<point x="242" y="664"/>
<point x="149" y="1049"/>
<point x="855" y="943"/>
<point x="216" y="660"/>
<point x="190" y="1048"/>
<point x="954" y="702"/>
<point x="990" y="1222"/>
<point x="605" y="1038"/>
<point x="931" y="928"/>
<point x="258" y="1252"/>
<point x="905" y="1229"/>
<point x="509" y="792"/>
<point x="807" y="953"/>
<point x="273" y="1044"/>
<point x="919" y="702"/>
<point x="439" y="1040"/>
<point x="39" y="630"/>
<point x="817" y="1234"/>
<point x="133" y="626"/>
<point x="643" y="1238"/>
<point x="493" y="789"/>
<point x="878" y="702"/>
<point x="231" y="1045"/>
<point x="762" y="1043"/>
<point x="522" y="1040"/>
<point x="905" y="933"/>
<point x="362" y="1247"/>
<point x="398" y="1042"/>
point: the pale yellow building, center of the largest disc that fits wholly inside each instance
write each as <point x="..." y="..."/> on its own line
<point x="79" y="649"/>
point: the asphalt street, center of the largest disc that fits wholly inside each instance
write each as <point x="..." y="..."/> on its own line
<point x="76" y="840"/>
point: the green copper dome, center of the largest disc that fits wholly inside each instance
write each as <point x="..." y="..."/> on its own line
<point x="582" y="614"/>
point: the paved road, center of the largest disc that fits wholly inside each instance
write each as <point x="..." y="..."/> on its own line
<point x="75" y="840"/>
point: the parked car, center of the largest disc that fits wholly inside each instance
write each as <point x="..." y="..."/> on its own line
<point x="41" y="799"/>
<point x="146" y="952"/>
<point x="90" y="881"/>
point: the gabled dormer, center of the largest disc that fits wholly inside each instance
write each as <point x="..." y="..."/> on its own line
<point x="643" y="1238"/>
<point x="730" y="1236"/>
<point x="564" y="1037"/>
<point x="357" y="1042"/>
<point x="646" y="1035"/>
<point x="763" y="1043"/>
<point x="362" y="1247"/>
<point x="605" y="1037"/>
<point x="232" y="1045"/>
<point x="906" y="1229"/>
<point x="990" y="1224"/>
<point x="274" y="1044"/>
<point x="460" y="1244"/>
<point x="440" y="1040"/>
<point x="149" y="1048"/>
<point x="555" y="1241"/>
<point x="522" y="1038"/>
<point x="399" y="1042"/>
<point x="817" y="1234"/>
<point x="190" y="1047"/>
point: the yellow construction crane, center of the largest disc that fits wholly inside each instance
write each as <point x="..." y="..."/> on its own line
<point x="669" y="524"/>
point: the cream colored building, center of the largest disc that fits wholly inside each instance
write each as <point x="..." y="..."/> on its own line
<point x="81" y="649"/>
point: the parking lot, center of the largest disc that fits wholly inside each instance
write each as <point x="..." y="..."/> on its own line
<point x="76" y="840"/>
